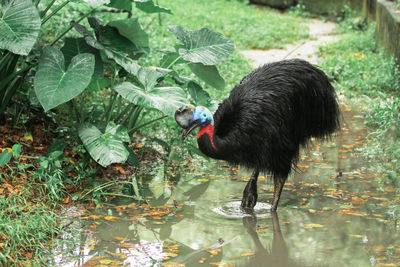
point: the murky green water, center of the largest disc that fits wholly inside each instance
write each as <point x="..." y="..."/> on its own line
<point x="332" y="213"/>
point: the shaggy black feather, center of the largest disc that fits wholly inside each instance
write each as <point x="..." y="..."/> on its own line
<point x="270" y="114"/>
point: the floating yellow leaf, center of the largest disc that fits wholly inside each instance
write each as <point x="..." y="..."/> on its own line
<point x="303" y="166"/>
<point x="203" y="180"/>
<point x="92" y="217"/>
<point x="111" y="218"/>
<point x="352" y="212"/>
<point x="214" y="251"/>
<point x="357" y="236"/>
<point x="110" y="262"/>
<point x="222" y="264"/>
<point x="119" y="238"/>
<point x="248" y="254"/>
<point x="312" y="225"/>
<point x="173" y="264"/>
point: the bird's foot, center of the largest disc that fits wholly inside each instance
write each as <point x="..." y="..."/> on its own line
<point x="250" y="195"/>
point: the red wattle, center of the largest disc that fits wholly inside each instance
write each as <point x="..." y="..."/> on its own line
<point x="209" y="129"/>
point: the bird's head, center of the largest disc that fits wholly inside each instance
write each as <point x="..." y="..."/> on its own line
<point x="190" y="117"/>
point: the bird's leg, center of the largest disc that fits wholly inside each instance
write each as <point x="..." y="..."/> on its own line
<point x="279" y="182"/>
<point x="250" y="195"/>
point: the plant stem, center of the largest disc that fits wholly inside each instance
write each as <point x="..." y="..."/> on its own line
<point x="121" y="114"/>
<point x="145" y="124"/>
<point x="129" y="115"/>
<point x="159" y="16"/>
<point x="54" y="12"/>
<point x="107" y="116"/>
<point x="70" y="27"/>
<point x="47" y="8"/>
<point x="134" y="118"/>
<point x="173" y="62"/>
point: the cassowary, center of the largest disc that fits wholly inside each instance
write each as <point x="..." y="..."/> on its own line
<point x="266" y="118"/>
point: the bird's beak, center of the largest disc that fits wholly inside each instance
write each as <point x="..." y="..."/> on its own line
<point x="183" y="117"/>
<point x="187" y="131"/>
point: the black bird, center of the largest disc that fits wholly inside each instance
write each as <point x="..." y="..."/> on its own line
<point x="266" y="118"/>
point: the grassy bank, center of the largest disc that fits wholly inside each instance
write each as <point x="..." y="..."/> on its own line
<point x="362" y="72"/>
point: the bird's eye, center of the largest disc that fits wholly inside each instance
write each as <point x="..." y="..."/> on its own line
<point x="204" y="115"/>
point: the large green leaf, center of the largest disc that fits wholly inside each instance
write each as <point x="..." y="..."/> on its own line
<point x="132" y="30"/>
<point x="164" y="99"/>
<point x="110" y="37"/>
<point x="203" y="46"/>
<point x="149" y="7"/>
<point x="209" y="74"/>
<point x="121" y="4"/>
<point x="200" y="97"/>
<point x="105" y="148"/>
<point x="119" y="57"/>
<point x="54" y="85"/>
<point x="76" y="46"/>
<point x="148" y="77"/>
<point x="5" y="157"/>
<point x="19" y="26"/>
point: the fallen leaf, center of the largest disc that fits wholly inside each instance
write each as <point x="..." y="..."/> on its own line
<point x="312" y="225"/>
<point x="28" y="137"/>
<point x="248" y="254"/>
<point x="352" y="212"/>
<point x="119" y="238"/>
<point x="173" y="264"/>
<point x="111" y="218"/>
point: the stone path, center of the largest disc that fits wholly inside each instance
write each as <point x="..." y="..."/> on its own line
<point x="320" y="33"/>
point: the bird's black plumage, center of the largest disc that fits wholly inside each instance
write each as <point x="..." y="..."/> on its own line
<point x="266" y="118"/>
<point x="270" y="114"/>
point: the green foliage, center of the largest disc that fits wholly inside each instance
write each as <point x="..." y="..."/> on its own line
<point x="355" y="64"/>
<point x="54" y="84"/>
<point x="19" y="26"/>
<point x="25" y="231"/>
<point x="248" y="25"/>
<point x="203" y="46"/>
<point x="105" y="148"/>
<point x="359" y="69"/>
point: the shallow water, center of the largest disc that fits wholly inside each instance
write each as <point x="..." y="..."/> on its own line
<point x="333" y="212"/>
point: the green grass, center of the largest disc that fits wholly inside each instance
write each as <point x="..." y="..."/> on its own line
<point x="27" y="225"/>
<point x="361" y="71"/>
<point x="247" y="25"/>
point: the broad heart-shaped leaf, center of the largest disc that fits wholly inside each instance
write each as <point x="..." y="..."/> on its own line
<point x="203" y="46"/>
<point x="200" y="97"/>
<point x="75" y="46"/>
<point x="121" y="4"/>
<point x="19" y="26"/>
<point x="150" y="7"/>
<point x="54" y="85"/>
<point x="131" y="29"/>
<point x="208" y="74"/>
<point x="148" y="77"/>
<point x="105" y="148"/>
<point x="164" y="99"/>
<point x="119" y="57"/>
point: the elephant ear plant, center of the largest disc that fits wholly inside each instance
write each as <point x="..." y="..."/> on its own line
<point x="97" y="78"/>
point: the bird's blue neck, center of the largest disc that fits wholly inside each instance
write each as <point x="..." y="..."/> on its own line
<point x="209" y="130"/>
